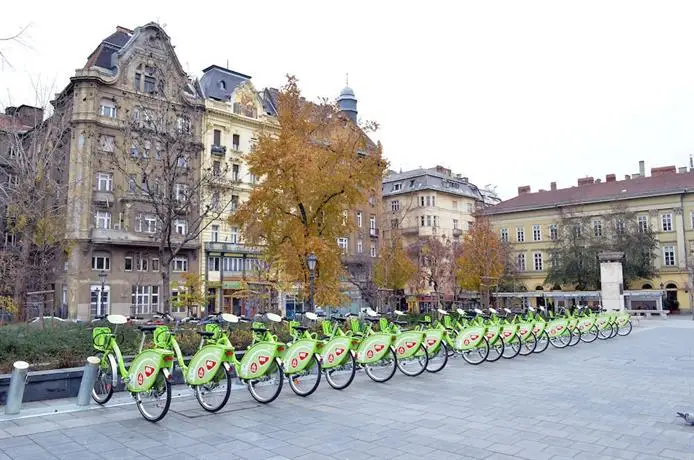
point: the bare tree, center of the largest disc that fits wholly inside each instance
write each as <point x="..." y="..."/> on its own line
<point x="159" y="153"/>
<point x="11" y="38"/>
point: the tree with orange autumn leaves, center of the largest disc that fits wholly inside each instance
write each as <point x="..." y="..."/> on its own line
<point x="482" y="263"/>
<point x="319" y="165"/>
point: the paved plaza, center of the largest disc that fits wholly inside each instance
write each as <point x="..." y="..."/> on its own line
<point x="605" y="400"/>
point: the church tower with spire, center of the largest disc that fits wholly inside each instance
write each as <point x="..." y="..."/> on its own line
<point x="347" y="102"/>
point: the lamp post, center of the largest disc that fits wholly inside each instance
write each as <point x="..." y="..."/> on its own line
<point x="311" y="262"/>
<point x="102" y="276"/>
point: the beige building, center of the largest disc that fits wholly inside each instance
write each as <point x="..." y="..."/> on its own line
<point x="663" y="201"/>
<point x="113" y="265"/>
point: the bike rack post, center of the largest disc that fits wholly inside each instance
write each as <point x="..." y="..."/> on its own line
<point x="88" y="379"/>
<point x="15" y="394"/>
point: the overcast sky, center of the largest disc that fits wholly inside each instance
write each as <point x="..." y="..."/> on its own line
<point x="505" y="92"/>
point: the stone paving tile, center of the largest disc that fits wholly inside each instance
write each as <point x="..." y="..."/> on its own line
<point x="547" y="406"/>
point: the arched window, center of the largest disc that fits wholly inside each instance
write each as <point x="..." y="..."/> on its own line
<point x="222" y="84"/>
<point x="539" y="288"/>
<point x="646" y="286"/>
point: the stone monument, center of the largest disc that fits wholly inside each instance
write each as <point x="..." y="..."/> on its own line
<point x="611" y="280"/>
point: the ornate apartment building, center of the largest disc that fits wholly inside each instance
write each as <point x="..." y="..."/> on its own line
<point x="113" y="265"/>
<point x="663" y="202"/>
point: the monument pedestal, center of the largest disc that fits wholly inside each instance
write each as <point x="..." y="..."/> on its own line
<point x="612" y="280"/>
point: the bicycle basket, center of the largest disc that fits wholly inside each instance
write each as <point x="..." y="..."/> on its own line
<point x="383" y="323"/>
<point x="101" y="337"/>
<point x="356" y="326"/>
<point x="447" y="321"/>
<point x="162" y="337"/>
<point x="215" y="329"/>
<point x="327" y="328"/>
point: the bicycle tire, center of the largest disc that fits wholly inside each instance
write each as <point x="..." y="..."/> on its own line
<point x="432" y="369"/>
<point x="498" y="354"/>
<point x="297" y="390"/>
<point x="605" y="336"/>
<point x="214" y="408"/>
<point x="524" y="345"/>
<point x="401" y="364"/>
<point x="337" y="386"/>
<point x="486" y="353"/>
<point x="260" y="399"/>
<point x="101" y="375"/>
<point x="586" y="338"/>
<point x="373" y="377"/>
<point x="544" y="340"/>
<point x="514" y="345"/>
<point x="575" y="332"/>
<point x="628" y="328"/>
<point x="167" y="401"/>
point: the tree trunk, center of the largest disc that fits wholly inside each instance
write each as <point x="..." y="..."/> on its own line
<point x="20" y="287"/>
<point x="166" y="284"/>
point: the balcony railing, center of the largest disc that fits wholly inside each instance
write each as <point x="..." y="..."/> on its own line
<point x="128" y="238"/>
<point x="226" y="247"/>
<point x="103" y="198"/>
<point x="219" y="150"/>
<point x="373" y="232"/>
<point x="414" y="230"/>
<point x="457" y="232"/>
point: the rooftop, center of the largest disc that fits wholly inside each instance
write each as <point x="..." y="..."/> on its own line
<point x="438" y="178"/>
<point x="665" y="180"/>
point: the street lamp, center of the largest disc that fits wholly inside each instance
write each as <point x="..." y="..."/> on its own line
<point x="311" y="262"/>
<point x="102" y="276"/>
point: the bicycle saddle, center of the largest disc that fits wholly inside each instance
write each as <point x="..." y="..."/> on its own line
<point x="400" y="323"/>
<point x="148" y="327"/>
<point x="301" y="328"/>
<point x="205" y="333"/>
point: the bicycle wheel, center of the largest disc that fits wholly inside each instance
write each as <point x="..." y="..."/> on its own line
<point x="103" y="386"/>
<point x="575" y="337"/>
<point x="512" y="347"/>
<point x="416" y="364"/>
<point x="438" y="360"/>
<point x="496" y="351"/>
<point x="341" y="377"/>
<point x="560" y="341"/>
<point x="528" y="345"/>
<point x="606" y="332"/>
<point x="391" y="363"/>
<point x="214" y="395"/>
<point x="541" y="342"/>
<point x="476" y="355"/>
<point x="268" y="387"/>
<point x="590" y="335"/>
<point x="625" y="330"/>
<point x="154" y="404"/>
<point x="615" y="330"/>
<point x="306" y="382"/>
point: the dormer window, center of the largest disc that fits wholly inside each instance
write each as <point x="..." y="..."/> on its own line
<point x="222" y="85"/>
<point x="146" y="80"/>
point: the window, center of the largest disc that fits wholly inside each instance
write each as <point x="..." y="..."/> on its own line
<point x="254" y="179"/>
<point x="436" y="221"/>
<point x="372" y="222"/>
<point x="520" y="235"/>
<point x="343" y="243"/>
<point x="150" y="224"/>
<point x="397" y="187"/>
<point x="128" y="263"/>
<point x="180" y="264"/>
<point x="233" y="264"/>
<point x="101" y="262"/>
<point x="577" y="230"/>
<point x="182" y="162"/>
<point x="234" y="235"/>
<point x="520" y="262"/>
<point x="107" y="143"/>
<point x="669" y="256"/>
<point x="469" y="208"/>
<point x="100" y="300"/>
<point x="138" y="81"/>
<point x="554" y="259"/>
<point x="222" y="84"/>
<point x="180" y="227"/>
<point x="359" y="219"/>
<point x="667" y="222"/>
<point x="537" y="233"/>
<point x="183" y="125"/>
<point x="537" y="261"/>
<point x="107" y="108"/>
<point x="456" y="224"/>
<point x="141" y="263"/>
<point x="373" y="250"/>
<point x="421" y="201"/>
<point x="214" y="201"/>
<point x="345" y="216"/>
<point x="155" y="264"/>
<point x="213" y="263"/>
<point x="236" y="142"/>
<point x="411" y="183"/>
<point x="504" y="235"/>
<point x="691" y="219"/>
<point x="216" y="168"/>
<point x="597" y="228"/>
<point x="234" y="202"/>
<point x="433" y="201"/>
<point x="553" y="232"/>
<point x="12" y="179"/>
<point x="102" y="219"/>
<point x="428" y="198"/>
<point x="10" y="239"/>
<point x="395" y="205"/>
<point x="428" y="221"/>
<point x="394" y="223"/>
<point x="132" y="184"/>
<point x="360" y="246"/>
<point x="235" y="173"/>
<point x="454" y="204"/>
<point x="145" y="299"/>
<point x="104" y="182"/>
<point x="181" y="191"/>
<point x="619" y="226"/>
<point x="422" y="220"/>
<point x="643" y="223"/>
<point x="216" y="137"/>
<point x="214" y="233"/>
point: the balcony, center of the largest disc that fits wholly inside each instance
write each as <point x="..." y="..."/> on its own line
<point x="373" y="232"/>
<point x="414" y="230"/>
<point x="103" y="199"/>
<point x="235" y="248"/>
<point x="118" y="237"/>
<point x="219" y="150"/>
<point x="457" y="232"/>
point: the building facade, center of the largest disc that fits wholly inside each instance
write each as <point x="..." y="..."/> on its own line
<point x="113" y="265"/>
<point x="662" y="201"/>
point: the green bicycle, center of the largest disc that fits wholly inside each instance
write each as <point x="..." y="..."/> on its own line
<point x="302" y="358"/>
<point x="339" y="358"/>
<point x="148" y="379"/>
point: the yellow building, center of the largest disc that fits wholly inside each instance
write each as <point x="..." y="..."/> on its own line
<point x="663" y="201"/>
<point x="235" y="113"/>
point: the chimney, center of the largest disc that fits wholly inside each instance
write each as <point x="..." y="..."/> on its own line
<point x="585" y="181"/>
<point x="598" y="180"/>
<point x="642" y="168"/>
<point x="124" y="30"/>
<point x="442" y="170"/>
<point x="523" y="189"/>
<point x="10" y="111"/>
<point x="553" y="186"/>
<point x="635" y="176"/>
<point x="663" y="170"/>
<point x="611" y="178"/>
<point x="627" y="177"/>
<point x="464" y="179"/>
<point x="682" y="169"/>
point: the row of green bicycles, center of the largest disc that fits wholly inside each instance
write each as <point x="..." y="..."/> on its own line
<point x="334" y="348"/>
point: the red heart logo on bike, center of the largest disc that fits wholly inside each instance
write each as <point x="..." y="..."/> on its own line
<point x="431" y="341"/>
<point x="523" y="331"/>
<point x="263" y="359"/>
<point x="140" y="378"/>
<point x="507" y="334"/>
<point x="474" y="337"/>
<point x="490" y="335"/>
<point x="339" y="351"/>
<point x="370" y="354"/>
<point x="411" y="344"/>
<point x="559" y="328"/>
<point x="254" y="368"/>
<point x="201" y="372"/>
<point x="149" y="370"/>
<point x="295" y="362"/>
<point x="210" y="364"/>
<point x="466" y="342"/>
<point x="401" y="350"/>
<point x="379" y="347"/>
<point x="303" y="355"/>
<point x="331" y="358"/>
